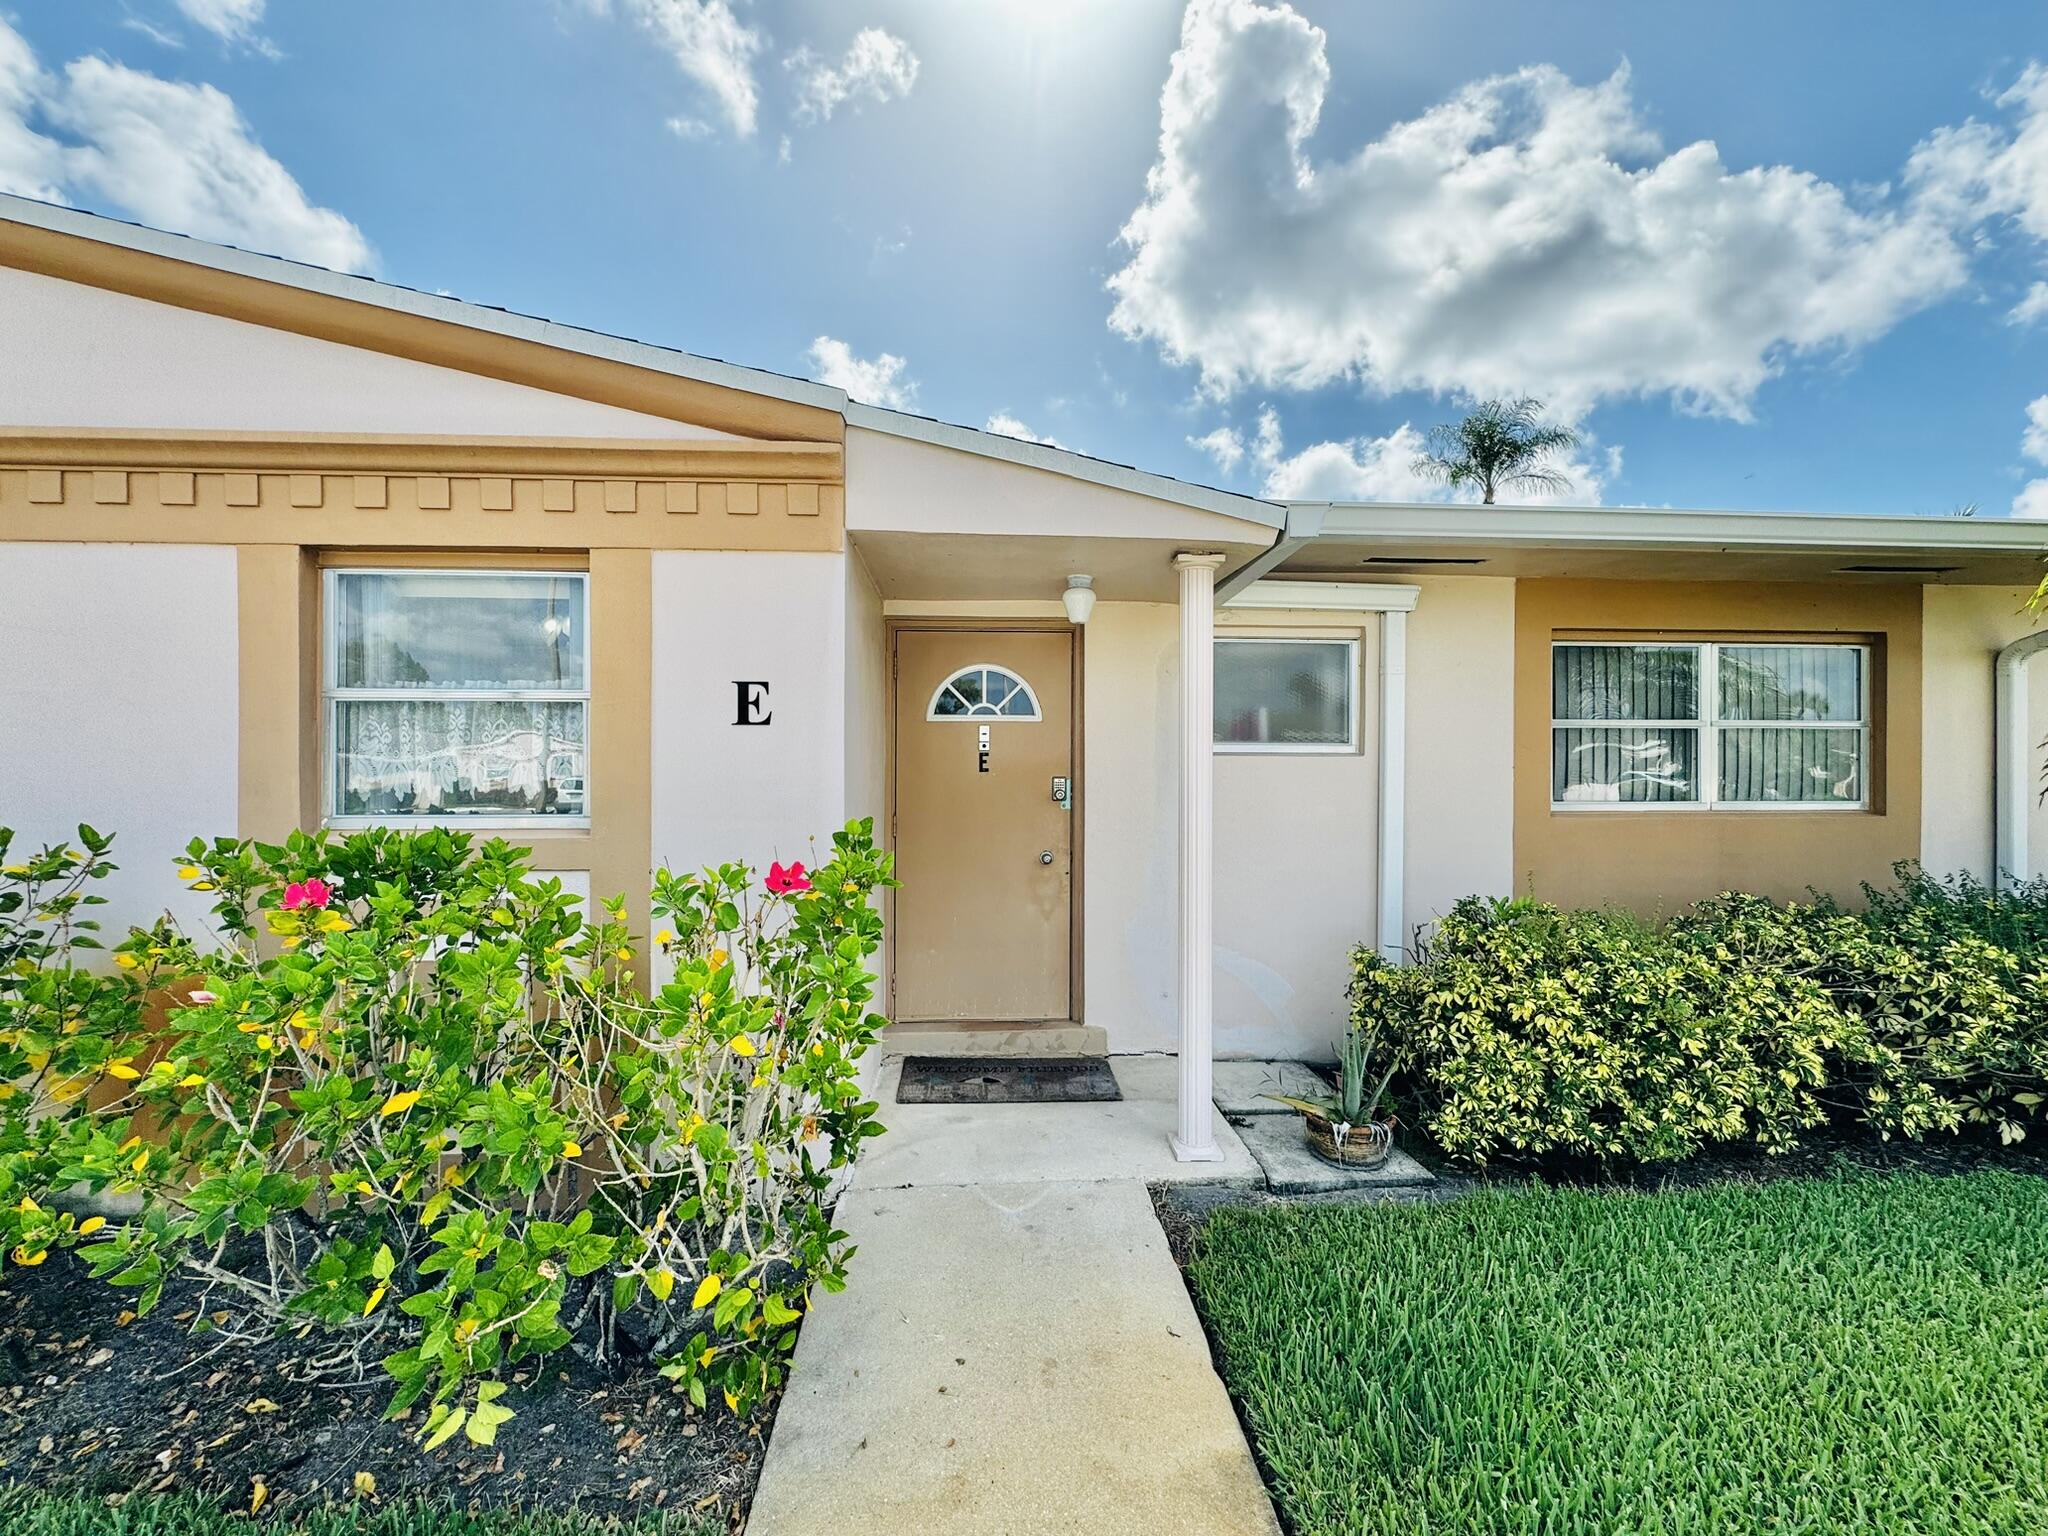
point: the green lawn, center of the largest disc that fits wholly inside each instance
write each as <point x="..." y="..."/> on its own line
<point x="24" y="1512"/>
<point x="1863" y="1354"/>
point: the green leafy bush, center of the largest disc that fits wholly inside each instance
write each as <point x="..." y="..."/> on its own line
<point x="408" y="1097"/>
<point x="1524" y="1029"/>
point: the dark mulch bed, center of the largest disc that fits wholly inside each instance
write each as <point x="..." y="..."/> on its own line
<point x="1185" y="1209"/>
<point x="90" y="1405"/>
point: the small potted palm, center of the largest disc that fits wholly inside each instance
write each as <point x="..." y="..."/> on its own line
<point x="1345" y="1128"/>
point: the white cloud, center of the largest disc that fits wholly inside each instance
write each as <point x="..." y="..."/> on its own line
<point x="1383" y="469"/>
<point x="1006" y="425"/>
<point x="878" y="67"/>
<point x="2032" y="500"/>
<point x="30" y="163"/>
<point x="232" y="21"/>
<point x="712" y="47"/>
<point x="879" y="380"/>
<point x="1225" y="445"/>
<point x="1981" y="171"/>
<point x="1526" y="236"/>
<point x="176" y="156"/>
<point x="690" y="128"/>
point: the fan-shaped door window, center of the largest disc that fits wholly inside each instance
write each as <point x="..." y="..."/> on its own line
<point x="984" y="691"/>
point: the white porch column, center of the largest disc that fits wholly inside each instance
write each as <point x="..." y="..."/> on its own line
<point x="1195" y="1142"/>
<point x="1393" y="827"/>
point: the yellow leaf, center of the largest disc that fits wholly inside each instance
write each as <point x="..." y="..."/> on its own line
<point x="90" y="1225"/>
<point x="664" y="937"/>
<point x="265" y="1043"/>
<point x="363" y="1187"/>
<point x="624" y="954"/>
<point x="707" y="1291"/>
<point x="29" y="1260"/>
<point x="365" y="1485"/>
<point x="122" y="1070"/>
<point x="257" y="1494"/>
<point x="399" y="1103"/>
<point x="710" y="1352"/>
<point x="732" y="1402"/>
<point x="192" y="1080"/>
<point x="37" y="1060"/>
<point x="719" y="958"/>
<point x="28" y="1207"/>
<point x="572" y="1149"/>
<point x="453" y="1175"/>
<point x="259" y="1405"/>
<point x="465" y="1330"/>
<point x="188" y="872"/>
<point x="662" y="1282"/>
<point x="375" y="1296"/>
<point x="741" y="1045"/>
<point x="141" y="1160"/>
<point x="334" y="922"/>
<point x="126" y="962"/>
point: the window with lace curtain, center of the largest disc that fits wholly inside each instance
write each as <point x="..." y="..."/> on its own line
<point x="1717" y="725"/>
<point x="457" y="694"/>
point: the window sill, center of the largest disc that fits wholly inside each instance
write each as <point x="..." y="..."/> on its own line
<point x="579" y="825"/>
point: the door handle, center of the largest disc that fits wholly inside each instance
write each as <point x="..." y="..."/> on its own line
<point x="1045" y="857"/>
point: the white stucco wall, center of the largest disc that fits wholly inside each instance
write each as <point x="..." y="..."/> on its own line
<point x="118" y="708"/>
<point x="77" y="356"/>
<point x="1297" y="868"/>
<point x="1461" y="757"/>
<point x="1962" y="630"/>
<point x="1129" y="803"/>
<point x="759" y="793"/>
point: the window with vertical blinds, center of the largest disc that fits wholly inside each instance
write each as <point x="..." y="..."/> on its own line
<point x="1713" y="725"/>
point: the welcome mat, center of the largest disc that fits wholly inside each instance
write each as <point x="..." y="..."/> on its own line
<point x="1006" y="1080"/>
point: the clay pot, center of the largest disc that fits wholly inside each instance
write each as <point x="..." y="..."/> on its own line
<point x="1363" y="1146"/>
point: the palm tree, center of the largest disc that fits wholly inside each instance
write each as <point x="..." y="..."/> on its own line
<point x="1501" y="443"/>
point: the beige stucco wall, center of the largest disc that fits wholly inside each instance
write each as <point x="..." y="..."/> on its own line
<point x="1963" y="629"/>
<point x="118" y="708"/>
<point x="1461" y="749"/>
<point x="867" y="694"/>
<point x="77" y="356"/>
<point x="759" y="793"/>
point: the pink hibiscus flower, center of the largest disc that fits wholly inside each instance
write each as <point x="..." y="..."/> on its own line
<point x="307" y="893"/>
<point x="783" y="882"/>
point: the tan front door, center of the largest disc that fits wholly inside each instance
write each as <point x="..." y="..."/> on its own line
<point x="984" y="919"/>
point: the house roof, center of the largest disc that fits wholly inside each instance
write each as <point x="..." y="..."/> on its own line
<point x="1506" y="538"/>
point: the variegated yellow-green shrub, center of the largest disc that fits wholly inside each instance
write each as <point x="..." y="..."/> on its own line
<point x="1525" y="1030"/>
<point x="407" y="1094"/>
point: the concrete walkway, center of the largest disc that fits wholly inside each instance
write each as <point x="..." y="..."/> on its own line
<point x="1009" y="1359"/>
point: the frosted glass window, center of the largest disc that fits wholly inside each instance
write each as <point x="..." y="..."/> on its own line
<point x="1286" y="695"/>
<point x="456" y="694"/>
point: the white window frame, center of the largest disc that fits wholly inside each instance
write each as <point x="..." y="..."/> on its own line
<point x="1709" y="725"/>
<point x="332" y="697"/>
<point x="1352" y="701"/>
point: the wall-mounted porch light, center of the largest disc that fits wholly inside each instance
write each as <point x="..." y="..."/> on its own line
<point x="1079" y="598"/>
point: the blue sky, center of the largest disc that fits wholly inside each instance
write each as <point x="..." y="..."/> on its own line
<point x="1772" y="256"/>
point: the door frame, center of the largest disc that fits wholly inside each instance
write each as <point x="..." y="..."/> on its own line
<point x="1076" y="884"/>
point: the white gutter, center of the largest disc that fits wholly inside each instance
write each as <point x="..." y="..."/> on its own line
<point x="1302" y="526"/>
<point x="2012" y="774"/>
<point x="1625" y="528"/>
<point x="1393" y="603"/>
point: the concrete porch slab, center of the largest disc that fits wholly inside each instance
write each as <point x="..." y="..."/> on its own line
<point x="1292" y="1169"/>
<point x="950" y="1144"/>
<point x="1008" y="1360"/>
<point x="920" y="1039"/>
<point x="1240" y="1086"/>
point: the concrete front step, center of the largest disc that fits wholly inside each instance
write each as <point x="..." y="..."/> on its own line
<point x="948" y="1039"/>
<point x="1009" y="1359"/>
<point x="1282" y="1151"/>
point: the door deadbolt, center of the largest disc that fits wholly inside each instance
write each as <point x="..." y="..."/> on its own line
<point x="1045" y="857"/>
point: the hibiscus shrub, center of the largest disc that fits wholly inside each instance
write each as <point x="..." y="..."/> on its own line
<point x="409" y="1095"/>
<point x="1525" y="1030"/>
